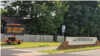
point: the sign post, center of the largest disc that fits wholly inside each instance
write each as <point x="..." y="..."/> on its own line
<point x="63" y="30"/>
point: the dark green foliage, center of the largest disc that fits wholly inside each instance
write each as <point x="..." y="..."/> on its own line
<point x="82" y="18"/>
<point x="42" y="21"/>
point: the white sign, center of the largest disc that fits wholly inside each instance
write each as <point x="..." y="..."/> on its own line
<point x="63" y="31"/>
<point x="81" y="40"/>
<point x="63" y="28"/>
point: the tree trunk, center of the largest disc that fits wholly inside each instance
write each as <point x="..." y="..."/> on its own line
<point x="56" y="35"/>
<point x="88" y="31"/>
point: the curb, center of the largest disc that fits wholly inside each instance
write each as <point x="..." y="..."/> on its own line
<point x="73" y="51"/>
<point x="57" y="53"/>
<point x="8" y="47"/>
<point x="35" y="47"/>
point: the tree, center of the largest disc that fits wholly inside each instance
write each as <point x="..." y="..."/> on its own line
<point x="81" y="18"/>
<point x="2" y="11"/>
<point x="40" y="12"/>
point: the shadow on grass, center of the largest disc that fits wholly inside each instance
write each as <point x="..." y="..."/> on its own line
<point x="8" y="45"/>
<point x="42" y="45"/>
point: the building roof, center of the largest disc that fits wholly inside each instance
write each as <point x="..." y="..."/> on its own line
<point x="14" y="20"/>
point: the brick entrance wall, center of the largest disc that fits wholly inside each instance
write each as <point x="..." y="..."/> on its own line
<point x="65" y="45"/>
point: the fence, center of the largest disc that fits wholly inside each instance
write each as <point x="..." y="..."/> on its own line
<point x="35" y="38"/>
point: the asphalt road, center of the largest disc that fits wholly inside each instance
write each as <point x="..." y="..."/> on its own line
<point x="9" y="51"/>
<point x="79" y="53"/>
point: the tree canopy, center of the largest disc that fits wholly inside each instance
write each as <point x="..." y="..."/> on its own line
<point x="41" y="15"/>
<point x="82" y="18"/>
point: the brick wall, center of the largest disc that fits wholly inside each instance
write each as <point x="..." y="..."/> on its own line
<point x="65" y="45"/>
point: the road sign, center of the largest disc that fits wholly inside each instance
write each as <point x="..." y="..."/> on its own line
<point x="63" y="28"/>
<point x="14" y="30"/>
<point x="63" y="31"/>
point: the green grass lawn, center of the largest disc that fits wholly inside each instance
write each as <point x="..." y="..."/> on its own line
<point x="33" y="44"/>
<point x="69" y="50"/>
